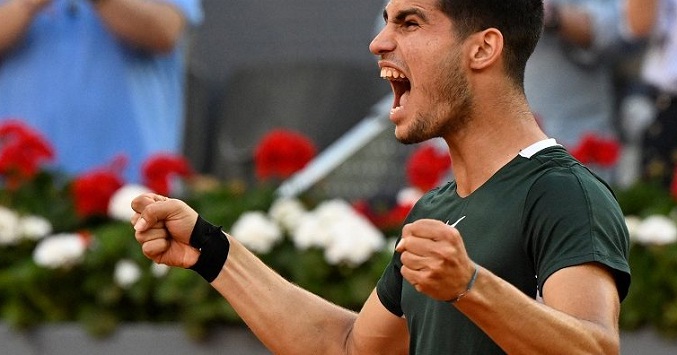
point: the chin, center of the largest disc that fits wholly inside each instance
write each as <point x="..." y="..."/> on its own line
<point x="412" y="134"/>
<point x="409" y="139"/>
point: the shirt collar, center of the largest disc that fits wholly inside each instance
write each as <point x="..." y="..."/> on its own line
<point x="529" y="151"/>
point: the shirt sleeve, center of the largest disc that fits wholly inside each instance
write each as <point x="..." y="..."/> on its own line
<point x="572" y="219"/>
<point x="389" y="286"/>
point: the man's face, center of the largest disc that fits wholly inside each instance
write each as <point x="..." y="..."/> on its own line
<point x="422" y="59"/>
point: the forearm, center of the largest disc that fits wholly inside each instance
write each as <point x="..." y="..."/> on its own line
<point x="151" y="25"/>
<point x="286" y="318"/>
<point x="641" y="16"/>
<point x="15" y="17"/>
<point x="521" y="325"/>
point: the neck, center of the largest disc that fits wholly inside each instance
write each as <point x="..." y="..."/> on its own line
<point x="492" y="138"/>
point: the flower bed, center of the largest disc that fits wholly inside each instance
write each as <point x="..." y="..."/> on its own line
<point x="67" y="251"/>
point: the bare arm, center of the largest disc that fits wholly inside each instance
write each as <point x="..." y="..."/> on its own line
<point x="581" y="322"/>
<point x="641" y="16"/>
<point x="152" y="25"/>
<point x="15" y="17"/>
<point x="579" y="314"/>
<point x="290" y="320"/>
<point x="286" y="318"/>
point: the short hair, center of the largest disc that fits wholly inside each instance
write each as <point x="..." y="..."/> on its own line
<point x="520" y="22"/>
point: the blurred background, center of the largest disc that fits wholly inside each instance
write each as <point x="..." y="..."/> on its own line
<point x="306" y="66"/>
<point x="254" y="66"/>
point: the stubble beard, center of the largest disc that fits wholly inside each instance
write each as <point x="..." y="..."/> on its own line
<point x="452" y="103"/>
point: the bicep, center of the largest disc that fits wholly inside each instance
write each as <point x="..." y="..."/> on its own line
<point x="587" y="292"/>
<point x="378" y="331"/>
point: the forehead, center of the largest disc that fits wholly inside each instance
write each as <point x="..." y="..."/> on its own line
<point x="425" y="9"/>
<point x="423" y="5"/>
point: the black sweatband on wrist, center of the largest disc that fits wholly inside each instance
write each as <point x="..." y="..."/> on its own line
<point x="201" y="233"/>
<point x="213" y="246"/>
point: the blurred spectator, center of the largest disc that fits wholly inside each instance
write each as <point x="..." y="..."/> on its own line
<point x="656" y="20"/>
<point x="569" y="79"/>
<point x="100" y="78"/>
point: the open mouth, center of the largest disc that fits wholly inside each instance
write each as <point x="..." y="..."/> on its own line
<point x="400" y="85"/>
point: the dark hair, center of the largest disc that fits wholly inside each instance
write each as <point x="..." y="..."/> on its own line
<point x="520" y="22"/>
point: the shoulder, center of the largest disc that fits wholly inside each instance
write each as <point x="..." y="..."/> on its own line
<point x="572" y="217"/>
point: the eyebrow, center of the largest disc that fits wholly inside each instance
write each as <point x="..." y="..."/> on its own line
<point x="402" y="14"/>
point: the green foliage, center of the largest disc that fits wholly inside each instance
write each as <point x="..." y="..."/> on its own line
<point x="47" y="195"/>
<point x="644" y="199"/>
<point x="652" y="298"/>
<point x="87" y="292"/>
<point x="31" y="295"/>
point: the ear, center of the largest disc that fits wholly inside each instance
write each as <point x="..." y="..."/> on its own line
<point x="486" y="48"/>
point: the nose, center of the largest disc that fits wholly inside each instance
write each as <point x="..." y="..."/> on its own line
<point x="382" y="43"/>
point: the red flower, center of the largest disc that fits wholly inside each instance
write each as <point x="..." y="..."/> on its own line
<point x="426" y="166"/>
<point x="383" y="216"/>
<point x="22" y="150"/>
<point x="159" y="170"/>
<point x="387" y="220"/>
<point x="597" y="150"/>
<point x="281" y="153"/>
<point x="93" y="190"/>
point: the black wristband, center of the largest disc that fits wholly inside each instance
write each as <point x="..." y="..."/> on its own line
<point x="213" y="245"/>
<point x="202" y="232"/>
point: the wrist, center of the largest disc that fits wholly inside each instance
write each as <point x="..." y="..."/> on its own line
<point x="213" y="246"/>
<point x="471" y="283"/>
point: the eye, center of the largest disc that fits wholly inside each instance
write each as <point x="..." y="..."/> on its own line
<point x="410" y="25"/>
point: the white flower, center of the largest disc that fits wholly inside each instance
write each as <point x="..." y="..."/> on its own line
<point x="313" y="229"/>
<point x="60" y="250"/>
<point x="632" y="222"/>
<point x="120" y="203"/>
<point x="310" y="233"/>
<point x="353" y="241"/>
<point x="331" y="210"/>
<point x="409" y="196"/>
<point x="656" y="230"/>
<point x="346" y="236"/>
<point x="256" y="232"/>
<point x="159" y="270"/>
<point x="287" y="212"/>
<point x="9" y="226"/>
<point x="126" y="273"/>
<point x="34" y="227"/>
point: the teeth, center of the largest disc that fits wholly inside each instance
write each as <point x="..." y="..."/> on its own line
<point x="392" y="74"/>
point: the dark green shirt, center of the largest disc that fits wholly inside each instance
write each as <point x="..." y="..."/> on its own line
<point x="533" y="217"/>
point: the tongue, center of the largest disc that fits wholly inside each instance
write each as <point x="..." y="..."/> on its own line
<point x="403" y="98"/>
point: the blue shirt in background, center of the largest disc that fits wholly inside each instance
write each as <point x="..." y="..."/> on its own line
<point x="91" y="95"/>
